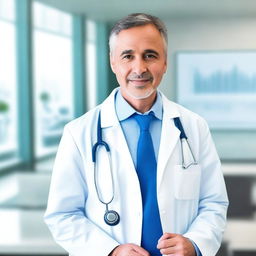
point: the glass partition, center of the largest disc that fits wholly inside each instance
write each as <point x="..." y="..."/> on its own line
<point x="53" y="94"/>
<point x="8" y="88"/>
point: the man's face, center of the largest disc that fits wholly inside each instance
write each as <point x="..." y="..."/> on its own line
<point x="138" y="59"/>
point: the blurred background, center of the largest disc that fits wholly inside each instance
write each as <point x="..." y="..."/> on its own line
<point x="54" y="67"/>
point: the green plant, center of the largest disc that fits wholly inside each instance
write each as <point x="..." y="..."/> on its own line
<point x="45" y="96"/>
<point x="4" y="107"/>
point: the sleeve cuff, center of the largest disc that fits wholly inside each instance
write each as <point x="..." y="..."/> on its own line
<point x="198" y="253"/>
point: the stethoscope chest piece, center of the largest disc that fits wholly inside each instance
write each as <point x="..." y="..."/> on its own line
<point x="111" y="218"/>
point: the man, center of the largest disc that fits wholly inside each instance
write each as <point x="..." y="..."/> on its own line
<point x="164" y="208"/>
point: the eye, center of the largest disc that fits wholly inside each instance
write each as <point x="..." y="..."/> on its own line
<point x="127" y="56"/>
<point x="150" y="56"/>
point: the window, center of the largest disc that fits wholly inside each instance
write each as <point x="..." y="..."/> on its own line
<point x="8" y="89"/>
<point x="91" y="63"/>
<point x="53" y="94"/>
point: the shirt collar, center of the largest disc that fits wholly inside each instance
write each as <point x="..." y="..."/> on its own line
<point x="124" y="110"/>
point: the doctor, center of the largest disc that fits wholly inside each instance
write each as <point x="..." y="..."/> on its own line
<point x="144" y="201"/>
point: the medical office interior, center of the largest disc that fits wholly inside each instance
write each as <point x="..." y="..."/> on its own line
<point x="54" y="67"/>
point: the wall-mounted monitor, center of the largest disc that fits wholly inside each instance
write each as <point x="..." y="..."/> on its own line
<point x="220" y="86"/>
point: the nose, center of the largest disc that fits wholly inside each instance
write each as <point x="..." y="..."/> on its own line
<point x="139" y="66"/>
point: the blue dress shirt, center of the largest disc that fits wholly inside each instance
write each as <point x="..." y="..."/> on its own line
<point x="131" y="129"/>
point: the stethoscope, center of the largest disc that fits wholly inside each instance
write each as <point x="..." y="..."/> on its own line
<point x="112" y="217"/>
<point x="188" y="158"/>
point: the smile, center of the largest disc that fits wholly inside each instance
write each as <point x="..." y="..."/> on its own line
<point x="139" y="82"/>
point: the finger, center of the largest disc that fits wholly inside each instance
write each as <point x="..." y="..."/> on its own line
<point x="167" y="236"/>
<point x="167" y="240"/>
<point x="166" y="243"/>
<point x="169" y="251"/>
<point x="181" y="246"/>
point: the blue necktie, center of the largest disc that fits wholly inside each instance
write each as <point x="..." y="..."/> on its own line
<point x="146" y="170"/>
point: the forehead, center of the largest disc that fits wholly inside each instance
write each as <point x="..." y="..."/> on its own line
<point x="139" y="39"/>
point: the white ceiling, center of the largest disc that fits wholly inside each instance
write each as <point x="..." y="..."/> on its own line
<point x="111" y="10"/>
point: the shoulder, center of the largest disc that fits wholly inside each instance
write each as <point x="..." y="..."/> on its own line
<point x="83" y="122"/>
<point x="187" y="117"/>
<point x="88" y="121"/>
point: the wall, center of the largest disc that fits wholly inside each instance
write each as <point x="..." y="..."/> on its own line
<point x="213" y="34"/>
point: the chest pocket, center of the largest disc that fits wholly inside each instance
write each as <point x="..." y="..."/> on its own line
<point x="187" y="182"/>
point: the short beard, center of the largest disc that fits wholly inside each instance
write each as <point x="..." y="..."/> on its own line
<point x="145" y="96"/>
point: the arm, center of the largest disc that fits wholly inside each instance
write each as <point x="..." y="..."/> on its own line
<point x="204" y="234"/>
<point x="65" y="213"/>
<point x="207" y="228"/>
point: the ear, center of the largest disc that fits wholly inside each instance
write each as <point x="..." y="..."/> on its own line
<point x="165" y="65"/>
<point x="112" y="62"/>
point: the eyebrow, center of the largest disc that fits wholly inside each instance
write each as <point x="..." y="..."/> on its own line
<point x="146" y="51"/>
<point x="151" y="51"/>
<point x="126" y="52"/>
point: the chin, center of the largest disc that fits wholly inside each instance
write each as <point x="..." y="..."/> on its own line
<point x="140" y="95"/>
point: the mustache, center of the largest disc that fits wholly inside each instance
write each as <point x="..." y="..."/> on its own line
<point x="143" y="76"/>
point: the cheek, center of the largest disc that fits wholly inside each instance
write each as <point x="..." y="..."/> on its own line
<point x="159" y="71"/>
<point x="122" y="72"/>
<point x="120" y="76"/>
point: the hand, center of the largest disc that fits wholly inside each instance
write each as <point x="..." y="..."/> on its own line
<point x="175" y="245"/>
<point x="129" y="250"/>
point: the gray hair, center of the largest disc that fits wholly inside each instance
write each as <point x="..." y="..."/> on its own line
<point x="135" y="20"/>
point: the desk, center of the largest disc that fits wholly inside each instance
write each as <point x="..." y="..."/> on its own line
<point x="239" y="169"/>
<point x="241" y="235"/>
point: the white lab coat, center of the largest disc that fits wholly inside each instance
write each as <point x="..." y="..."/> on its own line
<point x="192" y="202"/>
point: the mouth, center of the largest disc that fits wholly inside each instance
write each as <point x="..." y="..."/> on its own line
<point x="139" y="82"/>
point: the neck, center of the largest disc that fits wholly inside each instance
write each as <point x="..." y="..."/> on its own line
<point x="141" y="105"/>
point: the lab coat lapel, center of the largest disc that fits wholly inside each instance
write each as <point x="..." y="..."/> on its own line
<point x="169" y="136"/>
<point x="127" y="189"/>
<point x="114" y="135"/>
<point x="108" y="112"/>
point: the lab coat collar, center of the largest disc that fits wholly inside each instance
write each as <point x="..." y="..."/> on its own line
<point x="169" y="136"/>
<point x="108" y="112"/>
<point x="170" y="108"/>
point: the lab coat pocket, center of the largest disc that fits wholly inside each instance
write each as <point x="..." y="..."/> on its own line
<point x="187" y="182"/>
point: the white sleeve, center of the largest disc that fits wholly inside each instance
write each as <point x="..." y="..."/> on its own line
<point x="65" y="214"/>
<point x="208" y="227"/>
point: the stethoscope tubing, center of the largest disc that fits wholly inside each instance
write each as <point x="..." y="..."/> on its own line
<point x="111" y="217"/>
